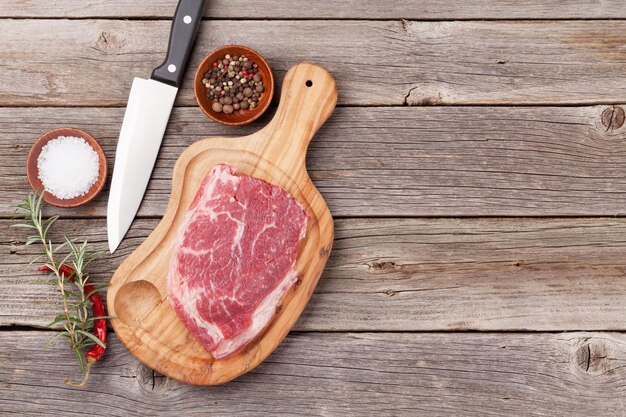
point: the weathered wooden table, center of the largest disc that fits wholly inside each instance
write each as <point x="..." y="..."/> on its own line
<point x="475" y="165"/>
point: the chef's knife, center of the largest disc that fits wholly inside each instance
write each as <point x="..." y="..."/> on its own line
<point x="147" y="113"/>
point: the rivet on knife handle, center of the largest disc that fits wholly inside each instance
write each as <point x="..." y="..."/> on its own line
<point x="184" y="27"/>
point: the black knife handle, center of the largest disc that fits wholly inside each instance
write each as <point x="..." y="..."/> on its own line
<point x="184" y="27"/>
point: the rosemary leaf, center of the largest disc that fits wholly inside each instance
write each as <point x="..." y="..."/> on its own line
<point x="49" y="282"/>
<point x="96" y="289"/>
<point x="79" y="359"/>
<point x="24" y="225"/>
<point x="53" y="338"/>
<point x="58" y="248"/>
<point x="92" y="337"/>
<point x="49" y="303"/>
<point x="84" y="311"/>
<point x="92" y="319"/>
<point x="48" y="223"/>
<point x="31" y="240"/>
<point x="58" y="319"/>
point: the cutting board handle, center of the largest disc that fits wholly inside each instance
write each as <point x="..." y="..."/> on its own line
<point x="308" y="97"/>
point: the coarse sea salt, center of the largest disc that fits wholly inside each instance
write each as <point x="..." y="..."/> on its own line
<point x="68" y="167"/>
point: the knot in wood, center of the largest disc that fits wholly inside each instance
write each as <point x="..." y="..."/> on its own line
<point x="109" y="42"/>
<point x="382" y="265"/>
<point x="151" y="381"/>
<point x="14" y="247"/>
<point x="613" y="118"/>
<point x="593" y="356"/>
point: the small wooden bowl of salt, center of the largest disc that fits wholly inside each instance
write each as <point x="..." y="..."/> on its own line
<point x="69" y="165"/>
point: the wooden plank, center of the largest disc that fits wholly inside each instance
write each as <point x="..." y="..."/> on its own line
<point x="324" y="9"/>
<point x="375" y="62"/>
<point x="432" y="161"/>
<point x="411" y="274"/>
<point x="353" y="374"/>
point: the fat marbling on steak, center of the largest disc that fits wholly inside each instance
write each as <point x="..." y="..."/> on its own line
<point x="234" y="258"/>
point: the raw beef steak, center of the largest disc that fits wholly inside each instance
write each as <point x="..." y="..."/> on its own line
<point x="234" y="258"/>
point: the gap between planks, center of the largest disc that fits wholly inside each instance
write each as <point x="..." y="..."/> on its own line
<point x="323" y="9"/>
<point x="45" y="329"/>
<point x="318" y="19"/>
<point x="274" y="105"/>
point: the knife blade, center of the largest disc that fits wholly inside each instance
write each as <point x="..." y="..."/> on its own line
<point x="150" y="103"/>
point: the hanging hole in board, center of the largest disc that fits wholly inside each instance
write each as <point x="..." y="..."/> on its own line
<point x="309" y="83"/>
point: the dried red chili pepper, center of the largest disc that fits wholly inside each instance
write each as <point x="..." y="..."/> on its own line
<point x="99" y="325"/>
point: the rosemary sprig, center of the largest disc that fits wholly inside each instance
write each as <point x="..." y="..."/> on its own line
<point x="75" y="323"/>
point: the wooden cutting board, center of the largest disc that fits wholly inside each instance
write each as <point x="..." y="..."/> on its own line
<point x="137" y="296"/>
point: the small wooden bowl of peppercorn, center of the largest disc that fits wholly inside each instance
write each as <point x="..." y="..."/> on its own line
<point x="234" y="85"/>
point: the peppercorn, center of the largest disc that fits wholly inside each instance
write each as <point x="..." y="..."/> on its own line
<point x="233" y="84"/>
